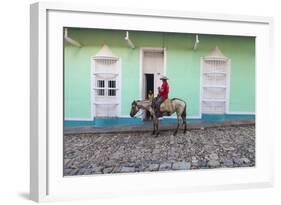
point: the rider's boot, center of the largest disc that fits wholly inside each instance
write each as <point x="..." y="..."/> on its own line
<point x="158" y="113"/>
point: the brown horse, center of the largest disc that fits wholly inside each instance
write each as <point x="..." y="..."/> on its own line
<point x="178" y="106"/>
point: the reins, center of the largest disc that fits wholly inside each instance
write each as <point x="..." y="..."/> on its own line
<point x="140" y="114"/>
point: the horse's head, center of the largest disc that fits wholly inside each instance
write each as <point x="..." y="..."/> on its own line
<point x="134" y="108"/>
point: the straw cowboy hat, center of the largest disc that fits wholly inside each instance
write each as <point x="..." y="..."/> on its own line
<point x="164" y="78"/>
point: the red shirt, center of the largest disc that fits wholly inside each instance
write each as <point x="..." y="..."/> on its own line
<point x="164" y="90"/>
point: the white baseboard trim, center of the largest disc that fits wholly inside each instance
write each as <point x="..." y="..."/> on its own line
<point x="171" y="117"/>
<point x="188" y="117"/>
<point x="125" y="116"/>
<point x="166" y="117"/>
<point x="78" y="119"/>
<point x="128" y="116"/>
<point x="241" y="113"/>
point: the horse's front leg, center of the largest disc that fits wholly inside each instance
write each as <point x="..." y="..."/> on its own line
<point x="154" y="127"/>
<point x="157" y="127"/>
<point x="155" y="123"/>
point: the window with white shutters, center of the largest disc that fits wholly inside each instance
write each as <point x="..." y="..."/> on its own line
<point x="100" y="88"/>
<point x="105" y="81"/>
<point x="112" y="88"/>
<point x="214" y="86"/>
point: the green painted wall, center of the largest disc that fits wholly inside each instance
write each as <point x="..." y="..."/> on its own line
<point x="183" y="67"/>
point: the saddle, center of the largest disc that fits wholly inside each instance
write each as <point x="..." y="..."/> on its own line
<point x="166" y="106"/>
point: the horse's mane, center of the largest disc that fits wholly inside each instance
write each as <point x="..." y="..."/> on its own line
<point x="177" y="99"/>
<point x="143" y="103"/>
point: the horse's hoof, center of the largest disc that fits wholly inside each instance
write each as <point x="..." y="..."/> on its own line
<point x="157" y="133"/>
<point x="184" y="132"/>
<point x="153" y="133"/>
<point x="175" y="133"/>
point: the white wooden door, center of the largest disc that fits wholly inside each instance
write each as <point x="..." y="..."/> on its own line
<point x="153" y="63"/>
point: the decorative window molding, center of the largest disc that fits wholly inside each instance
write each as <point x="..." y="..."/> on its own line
<point x="215" y="69"/>
<point x="105" y="80"/>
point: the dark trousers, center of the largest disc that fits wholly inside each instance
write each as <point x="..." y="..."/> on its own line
<point x="157" y="103"/>
<point x="159" y="100"/>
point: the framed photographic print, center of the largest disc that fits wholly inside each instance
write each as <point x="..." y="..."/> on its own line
<point x="127" y="102"/>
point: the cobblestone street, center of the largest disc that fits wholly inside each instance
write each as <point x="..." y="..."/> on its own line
<point x="86" y="154"/>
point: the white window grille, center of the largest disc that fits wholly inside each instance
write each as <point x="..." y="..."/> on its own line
<point x="105" y="84"/>
<point x="105" y="88"/>
<point x="100" y="88"/>
<point x="214" y="79"/>
<point x="213" y="107"/>
<point x="214" y="93"/>
<point x="214" y="86"/>
<point x="112" y="88"/>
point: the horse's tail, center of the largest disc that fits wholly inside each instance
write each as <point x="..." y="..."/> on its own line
<point x="183" y="115"/>
<point x="184" y="111"/>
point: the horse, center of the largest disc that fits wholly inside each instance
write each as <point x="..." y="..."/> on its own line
<point x="178" y="106"/>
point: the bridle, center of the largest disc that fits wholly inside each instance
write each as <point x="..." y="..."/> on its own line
<point x="141" y="113"/>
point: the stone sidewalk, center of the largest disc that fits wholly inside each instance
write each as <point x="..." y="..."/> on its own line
<point x="215" y="146"/>
<point x="147" y="127"/>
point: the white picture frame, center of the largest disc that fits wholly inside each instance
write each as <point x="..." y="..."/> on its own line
<point x="46" y="133"/>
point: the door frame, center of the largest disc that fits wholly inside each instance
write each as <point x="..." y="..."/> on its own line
<point x="141" y="81"/>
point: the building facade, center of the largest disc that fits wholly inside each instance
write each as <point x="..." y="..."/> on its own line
<point x="214" y="74"/>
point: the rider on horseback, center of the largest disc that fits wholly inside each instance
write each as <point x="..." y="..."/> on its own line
<point x="163" y="93"/>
